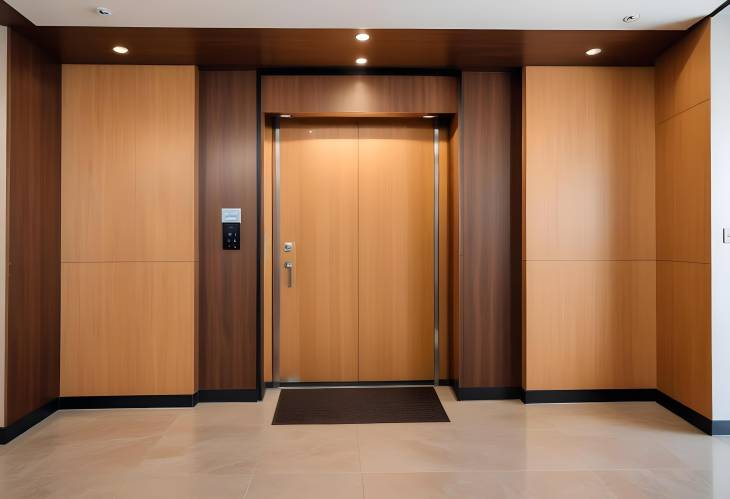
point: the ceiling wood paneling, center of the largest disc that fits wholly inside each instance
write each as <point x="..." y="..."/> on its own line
<point x="249" y="48"/>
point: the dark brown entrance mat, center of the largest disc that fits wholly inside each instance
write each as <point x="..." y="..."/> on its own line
<point x="359" y="406"/>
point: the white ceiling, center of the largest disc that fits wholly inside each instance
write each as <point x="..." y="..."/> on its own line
<point x="437" y="14"/>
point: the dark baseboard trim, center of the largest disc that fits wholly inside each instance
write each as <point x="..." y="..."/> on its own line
<point x="721" y="427"/>
<point x="25" y="423"/>
<point x="488" y="393"/>
<point x="571" y="396"/>
<point x="690" y="415"/>
<point x="244" y="395"/>
<point x="128" y="401"/>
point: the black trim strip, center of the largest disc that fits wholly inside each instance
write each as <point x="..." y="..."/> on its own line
<point x="25" y="423"/>
<point x="690" y="415"/>
<point x="128" y="401"/>
<point x="570" y="396"/>
<point x="720" y="8"/>
<point x="247" y="395"/>
<point x="488" y="393"/>
<point x="351" y="71"/>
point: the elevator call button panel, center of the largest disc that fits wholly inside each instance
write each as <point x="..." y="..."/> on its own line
<point x="231" y="224"/>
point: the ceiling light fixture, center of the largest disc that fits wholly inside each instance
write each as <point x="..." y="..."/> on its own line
<point x="594" y="51"/>
<point x="285" y="116"/>
<point x="632" y="18"/>
<point x="103" y="11"/>
<point x="362" y="37"/>
<point x="361" y="61"/>
<point x="120" y="50"/>
<point x="429" y="116"/>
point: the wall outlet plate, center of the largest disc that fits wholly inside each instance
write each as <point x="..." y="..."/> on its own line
<point x="726" y="235"/>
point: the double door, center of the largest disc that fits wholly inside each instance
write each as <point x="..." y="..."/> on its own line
<point x="355" y="250"/>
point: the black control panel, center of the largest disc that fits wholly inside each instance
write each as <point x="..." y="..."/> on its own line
<point x="231" y="236"/>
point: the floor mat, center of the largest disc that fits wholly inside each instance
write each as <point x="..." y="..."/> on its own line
<point x="359" y="406"/>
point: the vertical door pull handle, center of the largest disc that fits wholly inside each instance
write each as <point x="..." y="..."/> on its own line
<point x="289" y="266"/>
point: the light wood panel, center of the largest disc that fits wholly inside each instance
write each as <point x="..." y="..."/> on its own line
<point x="589" y="228"/>
<point x="590" y="164"/>
<point x="318" y="329"/>
<point x="683" y="221"/>
<point x="129" y="136"/>
<point x="127" y="328"/>
<point x="590" y="325"/>
<point x="340" y="95"/>
<point x="129" y="231"/>
<point x="683" y="73"/>
<point x="165" y="153"/>
<point x="684" y="349"/>
<point x="98" y="188"/>
<point x="683" y="186"/>
<point x="396" y="296"/>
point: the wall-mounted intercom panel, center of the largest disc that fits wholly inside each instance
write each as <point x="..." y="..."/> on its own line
<point x="231" y="224"/>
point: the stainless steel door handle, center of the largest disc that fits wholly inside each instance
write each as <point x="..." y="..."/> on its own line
<point x="289" y="266"/>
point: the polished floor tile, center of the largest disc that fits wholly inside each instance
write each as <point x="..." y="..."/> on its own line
<point x="500" y="449"/>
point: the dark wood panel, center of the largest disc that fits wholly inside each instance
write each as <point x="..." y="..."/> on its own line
<point x="357" y="94"/>
<point x="466" y="49"/>
<point x="228" y="279"/>
<point x="490" y="340"/>
<point x="34" y="227"/>
<point x="11" y="17"/>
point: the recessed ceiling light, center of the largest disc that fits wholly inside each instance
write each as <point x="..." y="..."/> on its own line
<point x="120" y="50"/>
<point x="632" y="18"/>
<point x="595" y="51"/>
<point x="285" y="116"/>
<point x="103" y="11"/>
<point x="362" y="37"/>
<point x="427" y="116"/>
<point x="361" y="60"/>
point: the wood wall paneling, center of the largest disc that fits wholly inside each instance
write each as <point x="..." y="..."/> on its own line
<point x="129" y="230"/>
<point x="684" y="350"/>
<point x="683" y="186"/>
<point x="228" y="179"/>
<point x="589" y="228"/>
<point x="342" y="95"/>
<point x="33" y="228"/>
<point x="490" y="336"/>
<point x="589" y="196"/>
<point x="683" y="73"/>
<point x="590" y="324"/>
<point x="130" y="325"/>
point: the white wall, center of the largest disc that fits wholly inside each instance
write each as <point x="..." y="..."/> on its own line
<point x="3" y="207"/>
<point x="720" y="195"/>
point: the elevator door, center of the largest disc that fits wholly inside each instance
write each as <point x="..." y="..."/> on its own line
<point x="356" y="293"/>
<point x="318" y="215"/>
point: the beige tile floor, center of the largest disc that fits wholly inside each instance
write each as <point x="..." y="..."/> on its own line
<point x="499" y="449"/>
